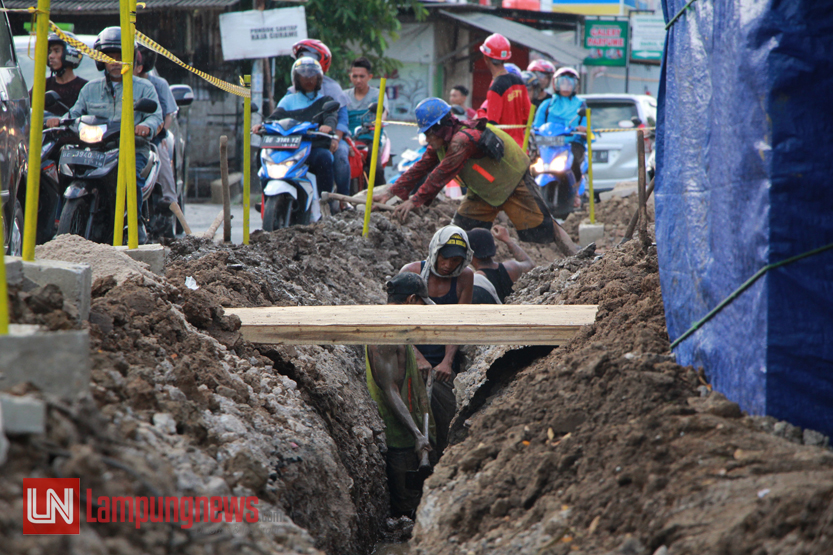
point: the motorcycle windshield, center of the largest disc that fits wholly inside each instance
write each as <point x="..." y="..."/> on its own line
<point x="551" y="129"/>
<point x="288" y="126"/>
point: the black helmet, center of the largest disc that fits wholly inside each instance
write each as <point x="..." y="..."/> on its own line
<point x="146" y="58"/>
<point x="108" y="40"/>
<point x="71" y="58"/>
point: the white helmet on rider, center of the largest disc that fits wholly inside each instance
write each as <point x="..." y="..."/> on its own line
<point x="564" y="78"/>
<point x="307" y="67"/>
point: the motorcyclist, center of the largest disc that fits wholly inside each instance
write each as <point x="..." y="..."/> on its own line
<point x="63" y="59"/>
<point x="361" y="96"/>
<point x="544" y="71"/>
<point x="307" y="79"/>
<point x="563" y="109"/>
<point x="317" y="50"/>
<point x="103" y="98"/>
<point x="508" y="101"/>
<point x="145" y="62"/>
<point x="533" y="84"/>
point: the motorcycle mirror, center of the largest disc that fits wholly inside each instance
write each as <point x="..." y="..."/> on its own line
<point x="51" y="98"/>
<point x="582" y="112"/>
<point x="254" y="108"/>
<point x="183" y="95"/>
<point x="458" y="110"/>
<point x="373" y="107"/>
<point x="331" y="106"/>
<point x="145" y="105"/>
<point x="626" y="124"/>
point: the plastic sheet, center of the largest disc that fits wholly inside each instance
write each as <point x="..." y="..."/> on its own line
<point x="744" y="172"/>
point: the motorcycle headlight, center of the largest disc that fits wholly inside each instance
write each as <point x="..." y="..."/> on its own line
<point x="278" y="170"/>
<point x="559" y="164"/>
<point x="538" y="166"/>
<point x="91" y="133"/>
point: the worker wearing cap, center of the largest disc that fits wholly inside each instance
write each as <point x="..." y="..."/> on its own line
<point x="493" y="281"/>
<point x="497" y="179"/>
<point x="396" y="385"/>
<point x="449" y="281"/>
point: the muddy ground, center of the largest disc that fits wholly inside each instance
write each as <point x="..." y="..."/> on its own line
<point x="603" y="443"/>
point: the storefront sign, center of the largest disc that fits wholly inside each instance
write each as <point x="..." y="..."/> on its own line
<point x="607" y="42"/>
<point x="261" y="34"/>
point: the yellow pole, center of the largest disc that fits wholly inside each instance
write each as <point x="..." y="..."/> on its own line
<point x="4" y="296"/>
<point x="529" y="121"/>
<point x="247" y="162"/>
<point x="128" y="140"/>
<point x="590" y="169"/>
<point x="30" y="227"/>
<point x="377" y="133"/>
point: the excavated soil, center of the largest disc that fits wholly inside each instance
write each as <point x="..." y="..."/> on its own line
<point x="604" y="444"/>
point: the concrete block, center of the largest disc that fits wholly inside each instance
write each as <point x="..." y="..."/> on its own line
<point x="22" y="415"/>
<point x="74" y="280"/>
<point x="152" y="255"/>
<point x="56" y="362"/>
<point x="235" y="180"/>
<point x="14" y="270"/>
<point x="588" y="233"/>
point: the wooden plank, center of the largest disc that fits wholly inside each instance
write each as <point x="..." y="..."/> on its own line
<point x="399" y="324"/>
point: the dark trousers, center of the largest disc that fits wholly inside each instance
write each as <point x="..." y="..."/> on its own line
<point x="320" y="162"/>
<point x="403" y="500"/>
<point x="578" y="157"/>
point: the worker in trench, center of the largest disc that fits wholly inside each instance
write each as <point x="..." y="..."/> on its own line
<point x="397" y="386"/>
<point x="449" y="280"/>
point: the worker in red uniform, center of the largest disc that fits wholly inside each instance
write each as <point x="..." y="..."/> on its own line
<point x="507" y="102"/>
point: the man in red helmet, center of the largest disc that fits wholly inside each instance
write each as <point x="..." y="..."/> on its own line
<point x="507" y="99"/>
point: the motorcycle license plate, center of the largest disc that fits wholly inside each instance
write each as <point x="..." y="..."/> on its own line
<point x="92" y="158"/>
<point x="279" y="141"/>
<point x="600" y="156"/>
<point x="558" y="140"/>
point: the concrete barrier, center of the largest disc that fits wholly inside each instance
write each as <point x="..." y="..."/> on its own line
<point x="152" y="255"/>
<point x="74" y="280"/>
<point x="22" y="415"/>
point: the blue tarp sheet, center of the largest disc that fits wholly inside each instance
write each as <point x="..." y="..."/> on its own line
<point x="745" y="179"/>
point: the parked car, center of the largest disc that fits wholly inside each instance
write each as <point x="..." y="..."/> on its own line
<point x="14" y="151"/>
<point x="614" y="154"/>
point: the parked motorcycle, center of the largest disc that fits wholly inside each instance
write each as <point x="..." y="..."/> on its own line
<point x="553" y="168"/>
<point x="290" y="192"/>
<point x="363" y="124"/>
<point x="88" y="161"/>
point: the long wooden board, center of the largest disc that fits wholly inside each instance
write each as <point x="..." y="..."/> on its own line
<point x="398" y="324"/>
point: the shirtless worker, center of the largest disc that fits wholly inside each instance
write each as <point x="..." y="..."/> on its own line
<point x="493" y="281"/>
<point x="395" y="384"/>
<point x="449" y="281"/>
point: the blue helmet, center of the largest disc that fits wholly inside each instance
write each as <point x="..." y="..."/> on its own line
<point x="429" y="112"/>
<point x="513" y="69"/>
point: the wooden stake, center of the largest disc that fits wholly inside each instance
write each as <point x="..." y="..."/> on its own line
<point x="226" y="191"/>
<point x="643" y="197"/>
<point x="181" y="217"/>
<point x="352" y="200"/>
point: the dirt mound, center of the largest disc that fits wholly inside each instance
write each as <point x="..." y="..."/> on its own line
<point x="606" y="445"/>
<point x="104" y="260"/>
<point x="615" y="213"/>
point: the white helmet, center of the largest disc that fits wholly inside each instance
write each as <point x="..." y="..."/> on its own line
<point x="563" y="74"/>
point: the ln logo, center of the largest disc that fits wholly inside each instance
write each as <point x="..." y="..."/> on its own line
<point x="51" y="505"/>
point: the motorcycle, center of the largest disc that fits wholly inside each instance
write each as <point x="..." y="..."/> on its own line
<point x="553" y="168"/>
<point x="51" y="187"/>
<point x="363" y="124"/>
<point x="88" y="159"/>
<point x="290" y="193"/>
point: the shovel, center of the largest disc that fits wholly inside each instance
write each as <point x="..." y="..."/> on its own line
<point x="415" y="478"/>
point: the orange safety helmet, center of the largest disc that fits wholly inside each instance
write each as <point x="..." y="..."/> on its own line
<point x="496" y="47"/>
<point x="324" y="55"/>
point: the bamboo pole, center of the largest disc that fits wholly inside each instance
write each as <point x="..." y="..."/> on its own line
<point x="377" y="133"/>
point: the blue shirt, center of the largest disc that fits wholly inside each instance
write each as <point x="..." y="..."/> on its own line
<point x="163" y="91"/>
<point x="331" y="88"/>
<point x="560" y="109"/>
<point x="298" y="101"/>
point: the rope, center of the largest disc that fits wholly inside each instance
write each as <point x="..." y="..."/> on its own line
<point x="679" y="13"/>
<point x="746" y="285"/>
<point x="239" y="90"/>
<point x="613" y="130"/>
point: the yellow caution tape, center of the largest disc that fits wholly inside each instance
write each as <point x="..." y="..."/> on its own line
<point x="94" y="54"/>
<point x="238" y="90"/>
<point x="614" y="130"/>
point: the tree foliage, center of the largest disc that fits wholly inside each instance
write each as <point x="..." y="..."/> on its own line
<point x="351" y="28"/>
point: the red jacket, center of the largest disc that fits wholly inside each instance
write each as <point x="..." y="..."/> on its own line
<point x="508" y="104"/>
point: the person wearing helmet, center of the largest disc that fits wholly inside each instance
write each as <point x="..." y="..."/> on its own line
<point x="533" y="85"/>
<point x="450" y="281"/>
<point x="544" y="71"/>
<point x="457" y="97"/>
<point x="63" y="59"/>
<point x="103" y="98"/>
<point x="508" y="101"/>
<point x="304" y="105"/>
<point x="489" y="162"/>
<point x="317" y="50"/>
<point x="563" y="109"/>
<point x="145" y="60"/>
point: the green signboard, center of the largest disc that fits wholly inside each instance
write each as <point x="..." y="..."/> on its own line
<point x="648" y="38"/>
<point x="607" y="42"/>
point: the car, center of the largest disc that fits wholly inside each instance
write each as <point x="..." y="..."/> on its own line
<point x="14" y="149"/>
<point x="183" y="94"/>
<point x="614" y="153"/>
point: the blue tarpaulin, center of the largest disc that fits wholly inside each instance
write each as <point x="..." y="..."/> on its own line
<point x="745" y="179"/>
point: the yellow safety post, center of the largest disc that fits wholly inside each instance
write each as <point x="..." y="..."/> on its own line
<point x="247" y="162"/>
<point x="377" y="133"/>
<point x="590" y="169"/>
<point x="4" y="295"/>
<point x="127" y="144"/>
<point x="30" y="227"/>
<point x="529" y="121"/>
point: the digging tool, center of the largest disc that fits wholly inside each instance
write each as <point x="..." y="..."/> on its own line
<point x="181" y="217"/>
<point x="335" y="196"/>
<point x="632" y="225"/>
<point x="415" y="478"/>
<point x="212" y="230"/>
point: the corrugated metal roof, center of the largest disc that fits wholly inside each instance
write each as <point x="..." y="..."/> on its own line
<point x="112" y="6"/>
<point x="562" y="52"/>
